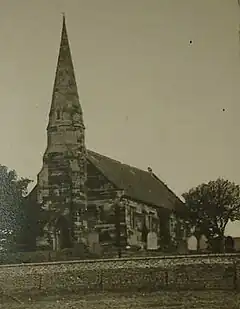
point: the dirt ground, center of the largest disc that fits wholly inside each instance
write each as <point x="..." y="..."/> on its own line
<point x="159" y="300"/>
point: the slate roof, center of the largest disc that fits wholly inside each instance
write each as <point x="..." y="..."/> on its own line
<point x="137" y="184"/>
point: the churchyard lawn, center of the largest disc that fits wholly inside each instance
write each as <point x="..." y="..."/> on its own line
<point x="159" y="300"/>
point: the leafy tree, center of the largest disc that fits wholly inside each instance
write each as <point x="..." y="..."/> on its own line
<point x="12" y="211"/>
<point x="210" y="206"/>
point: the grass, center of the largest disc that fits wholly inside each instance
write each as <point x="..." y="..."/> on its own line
<point x="159" y="300"/>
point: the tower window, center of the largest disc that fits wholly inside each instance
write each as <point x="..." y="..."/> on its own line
<point x="58" y="114"/>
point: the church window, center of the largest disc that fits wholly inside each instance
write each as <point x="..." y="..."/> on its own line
<point x="57" y="192"/>
<point x="172" y="224"/>
<point x="132" y="217"/>
<point x="150" y="222"/>
<point x="58" y="114"/>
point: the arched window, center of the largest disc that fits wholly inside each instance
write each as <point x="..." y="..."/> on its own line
<point x="58" y="114"/>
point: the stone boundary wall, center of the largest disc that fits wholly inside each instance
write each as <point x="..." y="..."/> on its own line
<point x="191" y="272"/>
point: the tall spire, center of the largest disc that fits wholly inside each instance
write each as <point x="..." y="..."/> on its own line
<point x="62" y="181"/>
<point x="65" y="106"/>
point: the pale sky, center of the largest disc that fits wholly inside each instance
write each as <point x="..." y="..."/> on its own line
<point x="149" y="97"/>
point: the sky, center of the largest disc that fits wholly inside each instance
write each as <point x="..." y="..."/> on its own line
<point x="150" y="97"/>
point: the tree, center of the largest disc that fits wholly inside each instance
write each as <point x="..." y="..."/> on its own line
<point x="12" y="211"/>
<point x="210" y="206"/>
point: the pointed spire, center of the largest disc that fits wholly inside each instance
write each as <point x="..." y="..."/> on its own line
<point x="64" y="38"/>
<point x="65" y="99"/>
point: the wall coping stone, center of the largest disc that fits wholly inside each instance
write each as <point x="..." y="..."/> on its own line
<point x="149" y="258"/>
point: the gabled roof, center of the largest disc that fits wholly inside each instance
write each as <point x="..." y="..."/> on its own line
<point x="137" y="184"/>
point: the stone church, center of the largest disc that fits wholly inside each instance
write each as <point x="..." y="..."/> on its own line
<point x="81" y="193"/>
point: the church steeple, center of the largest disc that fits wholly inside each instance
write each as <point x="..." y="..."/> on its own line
<point x="65" y="106"/>
<point x="61" y="187"/>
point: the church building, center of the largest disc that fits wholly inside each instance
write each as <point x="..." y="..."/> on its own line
<point x="80" y="192"/>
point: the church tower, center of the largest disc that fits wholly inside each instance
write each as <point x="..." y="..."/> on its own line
<point x="61" y="186"/>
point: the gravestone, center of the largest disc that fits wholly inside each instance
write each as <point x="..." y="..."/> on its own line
<point x="236" y="241"/>
<point x="192" y="243"/>
<point x="203" y="245"/>
<point x="93" y="239"/>
<point x="97" y="249"/>
<point x="152" y="241"/>
<point x="133" y="240"/>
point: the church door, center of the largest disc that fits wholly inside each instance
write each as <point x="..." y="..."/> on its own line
<point x="63" y="228"/>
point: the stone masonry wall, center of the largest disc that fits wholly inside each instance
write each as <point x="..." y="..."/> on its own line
<point x="220" y="272"/>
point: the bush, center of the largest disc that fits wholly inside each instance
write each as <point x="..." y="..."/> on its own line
<point x="26" y="257"/>
<point x="79" y="252"/>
